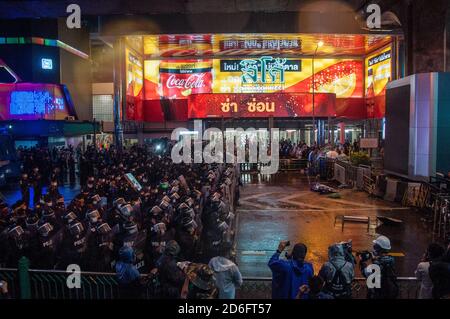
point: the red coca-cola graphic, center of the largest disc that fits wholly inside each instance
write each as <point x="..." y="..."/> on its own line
<point x="193" y="81"/>
<point x="182" y="78"/>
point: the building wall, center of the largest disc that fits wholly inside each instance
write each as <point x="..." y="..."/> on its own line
<point x="75" y="71"/>
<point x="25" y="59"/>
<point x="68" y="68"/>
<point x="426" y="27"/>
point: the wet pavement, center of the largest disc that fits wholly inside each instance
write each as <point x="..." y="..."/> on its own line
<point x="281" y="207"/>
<point x="12" y="194"/>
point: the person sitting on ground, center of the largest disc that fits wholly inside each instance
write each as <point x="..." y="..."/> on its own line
<point x="434" y="253"/>
<point x="228" y="276"/>
<point x="314" y="289"/>
<point x="337" y="273"/>
<point x="290" y="274"/>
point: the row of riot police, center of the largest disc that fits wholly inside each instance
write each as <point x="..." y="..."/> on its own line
<point x="189" y="204"/>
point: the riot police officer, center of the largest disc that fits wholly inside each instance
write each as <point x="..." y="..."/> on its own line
<point x="36" y="179"/>
<point x="74" y="245"/>
<point x="48" y="246"/>
<point x="25" y="188"/>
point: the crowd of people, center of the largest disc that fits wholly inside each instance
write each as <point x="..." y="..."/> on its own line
<point x="301" y="150"/>
<point x="166" y="228"/>
<point x="174" y="224"/>
<point x="293" y="277"/>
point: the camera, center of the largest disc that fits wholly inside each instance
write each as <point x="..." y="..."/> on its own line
<point x="347" y="246"/>
<point x="365" y="255"/>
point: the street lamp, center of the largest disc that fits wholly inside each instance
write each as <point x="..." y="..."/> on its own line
<point x="319" y="45"/>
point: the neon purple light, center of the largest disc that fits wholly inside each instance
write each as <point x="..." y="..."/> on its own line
<point x="34" y="102"/>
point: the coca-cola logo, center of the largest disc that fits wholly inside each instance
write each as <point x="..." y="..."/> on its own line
<point x="194" y="81"/>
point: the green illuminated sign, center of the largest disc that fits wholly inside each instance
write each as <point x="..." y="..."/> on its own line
<point x="263" y="70"/>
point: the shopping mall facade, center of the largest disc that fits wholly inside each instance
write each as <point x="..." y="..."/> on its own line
<point x="151" y="69"/>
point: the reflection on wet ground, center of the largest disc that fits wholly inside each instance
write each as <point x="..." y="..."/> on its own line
<point x="281" y="207"/>
<point x="12" y="194"/>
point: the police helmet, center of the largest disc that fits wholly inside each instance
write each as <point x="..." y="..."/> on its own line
<point x="93" y="216"/>
<point x="45" y="229"/>
<point x="16" y="231"/>
<point x="103" y="228"/>
<point x="70" y="217"/>
<point x="76" y="228"/>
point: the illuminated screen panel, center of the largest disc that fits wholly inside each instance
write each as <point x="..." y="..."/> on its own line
<point x="30" y="101"/>
<point x="259" y="44"/>
<point x="260" y="105"/>
<point x="378" y="72"/>
<point x="342" y="77"/>
<point x="178" y="66"/>
<point x="134" y="85"/>
<point x="180" y="78"/>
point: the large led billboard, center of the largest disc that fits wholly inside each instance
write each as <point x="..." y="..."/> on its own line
<point x="378" y="73"/>
<point x="178" y="66"/>
<point x="180" y="78"/>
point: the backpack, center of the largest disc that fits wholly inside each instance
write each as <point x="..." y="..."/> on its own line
<point x="389" y="287"/>
<point x="338" y="285"/>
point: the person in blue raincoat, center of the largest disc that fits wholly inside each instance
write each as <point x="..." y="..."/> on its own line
<point x="288" y="275"/>
<point x="127" y="274"/>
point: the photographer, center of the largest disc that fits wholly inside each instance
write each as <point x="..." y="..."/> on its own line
<point x="388" y="282"/>
<point x="290" y="274"/>
<point x="338" y="273"/>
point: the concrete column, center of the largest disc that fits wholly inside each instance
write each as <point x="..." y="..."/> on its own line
<point x="331" y="128"/>
<point x="302" y="135"/>
<point x="118" y="92"/>
<point x="140" y="134"/>
<point x="321" y="132"/>
<point x="342" y="133"/>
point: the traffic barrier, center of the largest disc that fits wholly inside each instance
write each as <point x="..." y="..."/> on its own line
<point x="352" y="219"/>
<point x="291" y="164"/>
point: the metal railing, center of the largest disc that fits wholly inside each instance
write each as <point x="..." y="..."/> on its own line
<point x="52" y="284"/>
<point x="290" y="164"/>
<point x="261" y="288"/>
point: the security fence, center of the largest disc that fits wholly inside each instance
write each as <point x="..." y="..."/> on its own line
<point x="291" y="164"/>
<point x="261" y="288"/>
<point x="431" y="197"/>
<point x="26" y="283"/>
